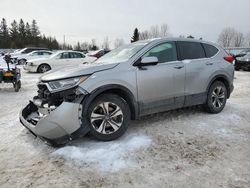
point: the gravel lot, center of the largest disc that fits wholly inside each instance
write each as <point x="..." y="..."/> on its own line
<point x="182" y="148"/>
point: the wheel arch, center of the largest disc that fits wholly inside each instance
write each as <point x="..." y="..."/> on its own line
<point x="119" y="90"/>
<point x="41" y="65"/>
<point x="224" y="80"/>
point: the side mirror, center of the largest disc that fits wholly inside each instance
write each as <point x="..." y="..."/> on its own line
<point x="146" y="61"/>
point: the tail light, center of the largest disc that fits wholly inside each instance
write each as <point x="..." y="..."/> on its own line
<point x="229" y="59"/>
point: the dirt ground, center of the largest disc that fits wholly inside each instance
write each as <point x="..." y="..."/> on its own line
<point x="182" y="148"/>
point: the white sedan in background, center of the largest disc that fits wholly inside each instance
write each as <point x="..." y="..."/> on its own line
<point x="58" y="59"/>
<point x="22" y="58"/>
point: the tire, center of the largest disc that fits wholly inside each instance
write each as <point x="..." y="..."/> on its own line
<point x="43" y="68"/>
<point x="246" y="68"/>
<point x="103" y="126"/>
<point x="237" y="69"/>
<point x="17" y="86"/>
<point x="22" y="61"/>
<point x="216" y="98"/>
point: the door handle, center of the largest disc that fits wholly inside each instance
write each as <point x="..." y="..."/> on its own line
<point x="178" y="66"/>
<point x="209" y="63"/>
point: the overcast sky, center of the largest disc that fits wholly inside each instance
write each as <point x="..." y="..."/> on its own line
<point x="81" y="20"/>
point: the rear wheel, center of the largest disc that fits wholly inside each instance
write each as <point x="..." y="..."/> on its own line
<point x="17" y="86"/>
<point x="108" y="117"/>
<point x="217" y="97"/>
<point x="43" y="68"/>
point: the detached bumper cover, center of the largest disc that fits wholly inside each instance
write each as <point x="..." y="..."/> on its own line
<point x="52" y="125"/>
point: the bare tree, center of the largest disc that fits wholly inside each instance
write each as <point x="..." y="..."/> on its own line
<point x="154" y="31"/>
<point x="226" y="37"/>
<point x="144" y="35"/>
<point x="118" y="42"/>
<point x="106" y="43"/>
<point x="85" y="46"/>
<point x="238" y="39"/>
<point x="164" y="30"/>
<point x="247" y="39"/>
<point x="93" y="45"/>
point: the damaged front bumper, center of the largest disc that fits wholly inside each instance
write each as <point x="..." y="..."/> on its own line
<point x="53" y="124"/>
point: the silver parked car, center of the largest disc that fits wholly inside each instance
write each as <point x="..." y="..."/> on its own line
<point x="129" y="82"/>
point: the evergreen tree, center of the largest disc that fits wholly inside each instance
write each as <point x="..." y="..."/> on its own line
<point x="21" y="34"/>
<point x="34" y="29"/>
<point x="13" y="34"/>
<point x="4" y="34"/>
<point x="28" y="33"/>
<point x="136" y="36"/>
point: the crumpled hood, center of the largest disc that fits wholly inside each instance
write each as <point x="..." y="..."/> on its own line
<point x="74" y="71"/>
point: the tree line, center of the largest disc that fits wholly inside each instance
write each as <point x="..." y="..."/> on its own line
<point x="21" y="34"/>
<point x="230" y="37"/>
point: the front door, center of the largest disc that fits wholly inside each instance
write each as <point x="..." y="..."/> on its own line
<point x="161" y="87"/>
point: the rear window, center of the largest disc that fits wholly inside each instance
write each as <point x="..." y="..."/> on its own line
<point x="191" y="50"/>
<point x="210" y="50"/>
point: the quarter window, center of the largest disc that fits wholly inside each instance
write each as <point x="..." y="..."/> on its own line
<point x="164" y="52"/>
<point x="210" y="50"/>
<point x="191" y="50"/>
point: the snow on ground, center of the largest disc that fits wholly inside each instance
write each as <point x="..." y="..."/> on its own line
<point x="181" y="148"/>
<point x="111" y="156"/>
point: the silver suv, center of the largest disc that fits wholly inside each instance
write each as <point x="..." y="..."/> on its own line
<point x="129" y="82"/>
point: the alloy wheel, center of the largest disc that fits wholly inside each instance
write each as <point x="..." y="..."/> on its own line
<point x="218" y="97"/>
<point x="44" y="68"/>
<point x="106" y="118"/>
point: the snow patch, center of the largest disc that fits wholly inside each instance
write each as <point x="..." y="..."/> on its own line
<point x="108" y="156"/>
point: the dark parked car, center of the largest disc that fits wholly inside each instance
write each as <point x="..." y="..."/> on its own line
<point x="243" y="62"/>
<point x="238" y="52"/>
<point x="99" y="53"/>
<point x="28" y="50"/>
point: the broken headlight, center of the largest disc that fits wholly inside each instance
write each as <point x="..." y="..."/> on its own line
<point x="59" y="85"/>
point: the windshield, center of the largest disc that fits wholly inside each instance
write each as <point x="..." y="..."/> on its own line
<point x="122" y="54"/>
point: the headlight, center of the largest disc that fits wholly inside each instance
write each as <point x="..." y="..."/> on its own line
<point x="67" y="83"/>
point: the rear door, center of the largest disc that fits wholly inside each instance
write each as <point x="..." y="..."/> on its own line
<point x="62" y="60"/>
<point x="161" y="87"/>
<point x="77" y="58"/>
<point x="199" y="68"/>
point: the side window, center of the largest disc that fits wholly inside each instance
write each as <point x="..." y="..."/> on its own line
<point x="191" y="50"/>
<point x="65" y="55"/>
<point x="40" y="53"/>
<point x="210" y="50"/>
<point x="47" y="53"/>
<point x="35" y="53"/>
<point x="76" y="55"/>
<point x="164" y="52"/>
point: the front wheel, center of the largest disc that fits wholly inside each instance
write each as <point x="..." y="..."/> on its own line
<point x="216" y="98"/>
<point x="108" y="117"/>
<point x="43" y="68"/>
